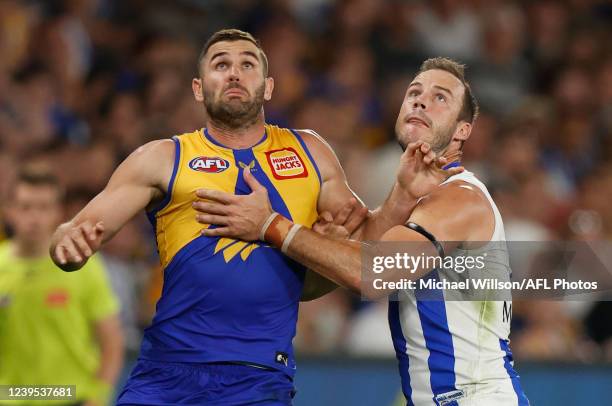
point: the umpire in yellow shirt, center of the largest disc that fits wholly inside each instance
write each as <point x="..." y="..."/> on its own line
<point x="56" y="328"/>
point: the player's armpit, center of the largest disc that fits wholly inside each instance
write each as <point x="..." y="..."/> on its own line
<point x="316" y="286"/>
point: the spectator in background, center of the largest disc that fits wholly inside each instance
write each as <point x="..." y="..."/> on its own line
<point x="56" y="328"/>
<point x="369" y="332"/>
<point x="549" y="332"/>
<point x="502" y="78"/>
<point x="592" y="221"/>
<point x="547" y="27"/>
<point x="322" y="324"/>
<point x="450" y="28"/>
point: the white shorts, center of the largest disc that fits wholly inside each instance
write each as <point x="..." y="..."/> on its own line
<point x="501" y="399"/>
<point x="486" y="395"/>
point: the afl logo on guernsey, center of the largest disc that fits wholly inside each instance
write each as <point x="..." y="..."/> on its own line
<point x="208" y="164"/>
<point x="286" y="164"/>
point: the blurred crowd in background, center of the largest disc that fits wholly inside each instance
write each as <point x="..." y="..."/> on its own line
<point x="85" y="82"/>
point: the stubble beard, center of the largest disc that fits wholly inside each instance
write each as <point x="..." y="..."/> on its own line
<point x="235" y="114"/>
<point x="441" y="138"/>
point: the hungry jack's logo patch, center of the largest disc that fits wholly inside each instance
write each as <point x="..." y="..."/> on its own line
<point x="286" y="163"/>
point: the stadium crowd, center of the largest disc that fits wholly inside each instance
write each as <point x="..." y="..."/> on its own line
<point x="85" y="82"/>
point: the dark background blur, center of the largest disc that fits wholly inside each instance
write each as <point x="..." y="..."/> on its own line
<point x="84" y="82"/>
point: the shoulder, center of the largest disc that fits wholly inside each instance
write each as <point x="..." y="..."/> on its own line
<point x="313" y="140"/>
<point x="322" y="153"/>
<point x="151" y="155"/>
<point x="456" y="196"/>
<point x="150" y="163"/>
<point x="158" y="148"/>
<point x="456" y="211"/>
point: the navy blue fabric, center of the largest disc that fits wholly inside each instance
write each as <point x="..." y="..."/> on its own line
<point x="163" y="383"/>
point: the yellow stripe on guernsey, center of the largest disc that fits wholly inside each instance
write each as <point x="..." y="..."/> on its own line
<point x="289" y="174"/>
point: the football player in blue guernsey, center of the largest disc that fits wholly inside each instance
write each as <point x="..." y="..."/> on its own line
<point x="223" y="329"/>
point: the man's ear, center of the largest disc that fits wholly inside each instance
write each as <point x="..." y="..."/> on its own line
<point x="196" y="86"/>
<point x="463" y="131"/>
<point x="269" y="87"/>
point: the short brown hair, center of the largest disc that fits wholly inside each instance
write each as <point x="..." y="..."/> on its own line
<point x="233" y="34"/>
<point x="39" y="175"/>
<point x="469" y="108"/>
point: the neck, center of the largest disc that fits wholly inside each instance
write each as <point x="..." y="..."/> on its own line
<point x="30" y="249"/>
<point x="452" y="153"/>
<point x="237" y="138"/>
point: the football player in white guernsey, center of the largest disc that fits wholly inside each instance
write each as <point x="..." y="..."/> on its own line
<point x="450" y="352"/>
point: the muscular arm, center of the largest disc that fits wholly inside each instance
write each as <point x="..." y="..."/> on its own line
<point x="335" y="192"/>
<point x="140" y="181"/>
<point x="454" y="212"/>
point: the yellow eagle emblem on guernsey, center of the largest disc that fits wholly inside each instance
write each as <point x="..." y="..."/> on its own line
<point x="232" y="247"/>
<point x="251" y="165"/>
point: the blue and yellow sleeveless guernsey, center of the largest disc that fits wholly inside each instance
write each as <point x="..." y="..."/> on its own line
<point x="226" y="300"/>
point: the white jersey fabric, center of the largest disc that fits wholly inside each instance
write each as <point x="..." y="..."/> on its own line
<point x="456" y="353"/>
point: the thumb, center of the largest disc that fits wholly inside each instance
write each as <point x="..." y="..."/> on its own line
<point x="326" y="217"/>
<point x="99" y="229"/>
<point x="251" y="181"/>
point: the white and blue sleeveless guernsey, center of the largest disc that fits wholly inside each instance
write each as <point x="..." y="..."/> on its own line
<point x="456" y="353"/>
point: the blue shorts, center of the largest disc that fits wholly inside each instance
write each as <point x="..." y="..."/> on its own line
<point x="172" y="383"/>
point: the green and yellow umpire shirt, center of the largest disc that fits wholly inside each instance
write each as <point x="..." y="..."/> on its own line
<point x="47" y="322"/>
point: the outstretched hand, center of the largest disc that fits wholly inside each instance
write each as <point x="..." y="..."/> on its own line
<point x="72" y="245"/>
<point x="421" y="170"/>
